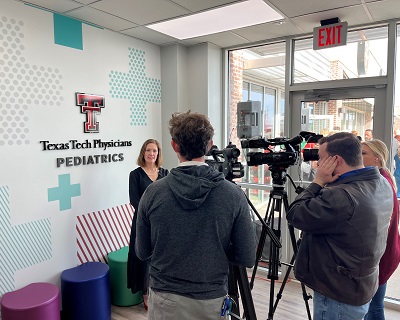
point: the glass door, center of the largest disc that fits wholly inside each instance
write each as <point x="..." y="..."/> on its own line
<point x="358" y="110"/>
<point x="353" y="110"/>
<point x="330" y="116"/>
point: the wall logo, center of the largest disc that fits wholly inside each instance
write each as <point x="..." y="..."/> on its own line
<point x="90" y="104"/>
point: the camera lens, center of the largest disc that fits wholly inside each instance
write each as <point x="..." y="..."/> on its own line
<point x="310" y="154"/>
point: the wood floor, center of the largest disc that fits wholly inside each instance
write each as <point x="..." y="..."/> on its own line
<point x="290" y="307"/>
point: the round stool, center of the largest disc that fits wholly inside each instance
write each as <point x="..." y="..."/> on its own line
<point x="36" y="301"/>
<point x="85" y="292"/>
<point x="120" y="294"/>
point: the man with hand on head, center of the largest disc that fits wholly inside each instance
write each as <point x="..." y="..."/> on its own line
<point x="344" y="215"/>
<point x="191" y="229"/>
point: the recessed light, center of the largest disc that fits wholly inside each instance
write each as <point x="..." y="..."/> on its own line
<point x="238" y="15"/>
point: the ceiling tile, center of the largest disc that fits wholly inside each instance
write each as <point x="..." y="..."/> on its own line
<point x="149" y="35"/>
<point x="200" y="5"/>
<point x="301" y="16"/>
<point x="382" y="11"/>
<point x="354" y="16"/>
<point x="86" y="1"/>
<point x="101" y="18"/>
<point x="301" y="7"/>
<point x="222" y="39"/>
<point x="59" y="6"/>
<point x="268" y="31"/>
<point x="139" y="11"/>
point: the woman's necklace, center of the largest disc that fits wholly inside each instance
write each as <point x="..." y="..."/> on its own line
<point x="150" y="172"/>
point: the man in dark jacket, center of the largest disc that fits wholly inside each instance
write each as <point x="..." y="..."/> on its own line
<point x="344" y="215"/>
<point x="192" y="224"/>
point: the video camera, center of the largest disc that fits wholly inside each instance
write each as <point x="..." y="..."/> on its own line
<point x="226" y="161"/>
<point x="287" y="155"/>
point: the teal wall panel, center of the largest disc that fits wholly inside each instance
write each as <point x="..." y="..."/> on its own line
<point x="67" y="32"/>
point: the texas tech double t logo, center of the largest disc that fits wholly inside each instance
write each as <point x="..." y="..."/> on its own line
<point x="90" y="104"/>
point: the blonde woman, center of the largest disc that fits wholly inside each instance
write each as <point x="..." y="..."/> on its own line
<point x="375" y="153"/>
<point x="149" y="170"/>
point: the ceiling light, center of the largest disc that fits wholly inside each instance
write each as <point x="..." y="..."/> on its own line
<point x="239" y="15"/>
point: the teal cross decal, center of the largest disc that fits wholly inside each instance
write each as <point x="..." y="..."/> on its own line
<point x="64" y="192"/>
<point x="136" y="87"/>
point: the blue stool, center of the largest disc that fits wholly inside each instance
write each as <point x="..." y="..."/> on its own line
<point x="85" y="292"/>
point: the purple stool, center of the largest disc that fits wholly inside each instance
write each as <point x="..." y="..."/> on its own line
<point x="36" y="301"/>
<point x="85" y="292"/>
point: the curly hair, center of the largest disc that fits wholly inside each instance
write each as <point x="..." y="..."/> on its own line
<point x="192" y="132"/>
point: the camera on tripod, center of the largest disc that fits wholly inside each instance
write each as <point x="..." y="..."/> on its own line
<point x="226" y="161"/>
<point x="288" y="154"/>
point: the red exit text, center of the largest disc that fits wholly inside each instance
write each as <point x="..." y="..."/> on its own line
<point x="330" y="36"/>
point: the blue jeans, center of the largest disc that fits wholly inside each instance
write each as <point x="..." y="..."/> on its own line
<point x="328" y="309"/>
<point x="375" y="311"/>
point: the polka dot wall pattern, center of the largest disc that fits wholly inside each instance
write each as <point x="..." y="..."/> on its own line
<point x="22" y="85"/>
<point x="136" y="87"/>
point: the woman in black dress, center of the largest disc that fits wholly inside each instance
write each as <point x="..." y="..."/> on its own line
<point x="149" y="170"/>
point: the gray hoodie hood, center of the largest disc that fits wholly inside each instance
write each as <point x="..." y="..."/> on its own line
<point x="191" y="184"/>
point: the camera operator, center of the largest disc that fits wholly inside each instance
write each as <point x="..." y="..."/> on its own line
<point x="190" y="227"/>
<point x="344" y="215"/>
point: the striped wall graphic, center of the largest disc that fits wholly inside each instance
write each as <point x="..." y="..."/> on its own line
<point x="21" y="246"/>
<point x="102" y="232"/>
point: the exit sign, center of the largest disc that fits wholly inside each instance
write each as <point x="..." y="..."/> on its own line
<point x="328" y="36"/>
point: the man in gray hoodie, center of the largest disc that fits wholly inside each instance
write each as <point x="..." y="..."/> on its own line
<point x="192" y="224"/>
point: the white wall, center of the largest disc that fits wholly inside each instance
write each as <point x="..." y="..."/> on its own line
<point x="174" y="92"/>
<point x="41" y="237"/>
<point x="38" y="82"/>
<point x="192" y="79"/>
<point x="214" y="94"/>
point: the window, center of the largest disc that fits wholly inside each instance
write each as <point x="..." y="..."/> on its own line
<point x="365" y="55"/>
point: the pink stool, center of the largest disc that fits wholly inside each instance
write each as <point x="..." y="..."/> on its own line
<point x="37" y="301"/>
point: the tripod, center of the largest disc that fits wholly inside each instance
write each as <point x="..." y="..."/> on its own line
<point x="277" y="198"/>
<point x="238" y="275"/>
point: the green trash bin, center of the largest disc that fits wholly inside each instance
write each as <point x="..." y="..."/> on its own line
<point x="120" y="294"/>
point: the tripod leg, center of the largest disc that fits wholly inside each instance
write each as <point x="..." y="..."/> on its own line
<point x="295" y="245"/>
<point x="238" y="278"/>
<point x="261" y="243"/>
<point x="233" y="289"/>
<point x="247" y="300"/>
<point x="274" y="256"/>
<point x="259" y="251"/>
<point x="306" y="297"/>
<point x="279" y="295"/>
<point x="273" y="275"/>
<point x="273" y="268"/>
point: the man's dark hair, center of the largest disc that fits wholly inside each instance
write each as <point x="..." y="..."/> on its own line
<point x="346" y="145"/>
<point x="192" y="132"/>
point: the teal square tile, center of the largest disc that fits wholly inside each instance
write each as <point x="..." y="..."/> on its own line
<point x="68" y="32"/>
